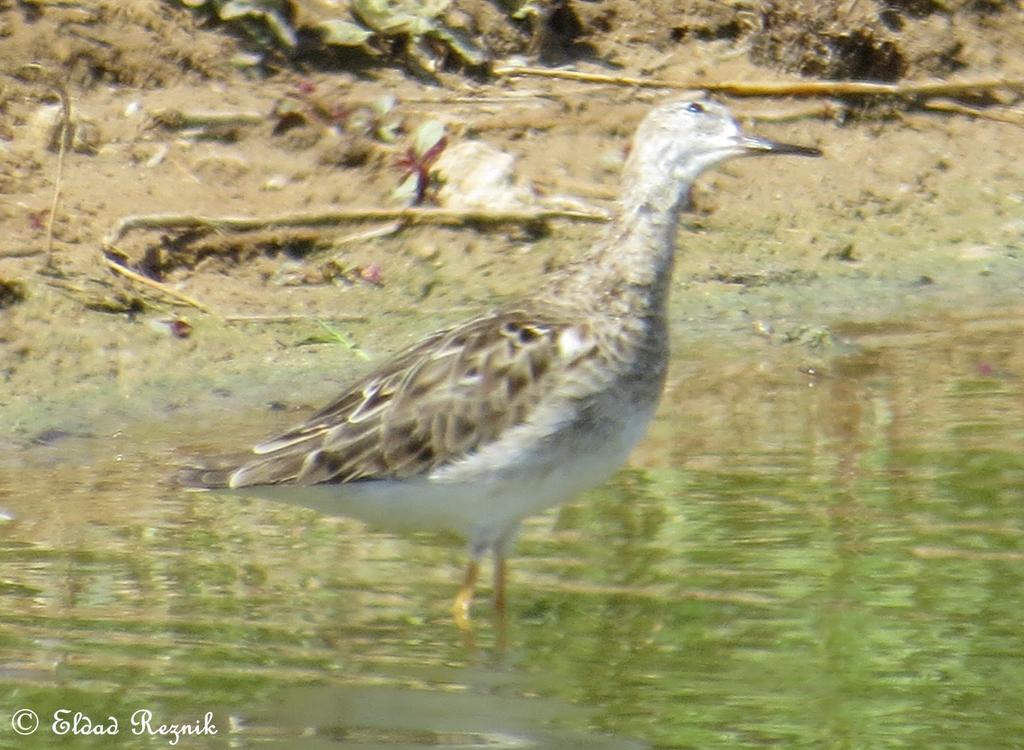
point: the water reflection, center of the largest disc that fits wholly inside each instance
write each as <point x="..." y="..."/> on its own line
<point x="436" y="708"/>
<point x="809" y="551"/>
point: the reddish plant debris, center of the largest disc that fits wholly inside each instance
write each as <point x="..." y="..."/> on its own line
<point x="372" y="274"/>
<point x="412" y="163"/>
<point x="37" y="219"/>
<point x="180" y="328"/>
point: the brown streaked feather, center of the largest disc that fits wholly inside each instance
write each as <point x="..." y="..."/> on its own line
<point x="439" y="400"/>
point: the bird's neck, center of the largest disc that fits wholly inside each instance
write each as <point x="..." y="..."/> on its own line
<point x="631" y="265"/>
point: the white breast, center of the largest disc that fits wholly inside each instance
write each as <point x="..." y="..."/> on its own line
<point x="485" y="496"/>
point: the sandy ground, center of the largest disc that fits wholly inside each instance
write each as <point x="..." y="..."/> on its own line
<point x="914" y="213"/>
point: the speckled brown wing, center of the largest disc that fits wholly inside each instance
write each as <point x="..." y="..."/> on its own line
<point x="443" y="398"/>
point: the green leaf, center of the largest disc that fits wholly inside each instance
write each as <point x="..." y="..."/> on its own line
<point x="526" y="10"/>
<point x="388" y="131"/>
<point x="468" y="52"/>
<point x="337" y="336"/>
<point x="236" y="9"/>
<point x="393" y="17"/>
<point x="343" y="33"/>
<point x="427" y="136"/>
<point x="284" y="33"/>
<point x="383" y="105"/>
<point x="406" y="192"/>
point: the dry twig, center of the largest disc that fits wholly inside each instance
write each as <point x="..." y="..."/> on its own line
<point x="1012" y="116"/>
<point x="62" y="147"/>
<point x="176" y="119"/>
<point x="158" y="286"/>
<point x="294" y="318"/>
<point x="384" y="230"/>
<point x="822" y="110"/>
<point x="411" y="216"/>
<point x="783" y="88"/>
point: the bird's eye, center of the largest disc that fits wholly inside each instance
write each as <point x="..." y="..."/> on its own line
<point x="696" y="107"/>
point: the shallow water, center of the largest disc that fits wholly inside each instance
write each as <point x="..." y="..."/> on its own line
<point x="811" y="550"/>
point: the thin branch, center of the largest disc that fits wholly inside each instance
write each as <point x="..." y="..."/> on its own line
<point x="384" y="230"/>
<point x="1011" y="116"/>
<point x="176" y="119"/>
<point x="822" y="110"/>
<point x="413" y="216"/>
<point x="294" y="317"/>
<point x="65" y="136"/>
<point x="24" y="252"/>
<point x="158" y="286"/>
<point x="782" y="88"/>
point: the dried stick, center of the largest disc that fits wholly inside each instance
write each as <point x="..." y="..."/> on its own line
<point x="176" y="119"/>
<point x="385" y="230"/>
<point x="154" y="284"/>
<point x="823" y="110"/>
<point x="294" y="317"/>
<point x="333" y="218"/>
<point x="1012" y="116"/>
<point x="65" y="136"/>
<point x="782" y="88"/>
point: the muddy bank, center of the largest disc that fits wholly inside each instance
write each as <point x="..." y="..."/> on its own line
<point x="914" y="212"/>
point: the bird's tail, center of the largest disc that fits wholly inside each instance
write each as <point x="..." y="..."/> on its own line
<point x="201" y="478"/>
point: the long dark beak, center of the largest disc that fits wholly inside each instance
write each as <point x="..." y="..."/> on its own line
<point x="755" y="146"/>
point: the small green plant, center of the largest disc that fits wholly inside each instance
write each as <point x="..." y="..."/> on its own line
<point x="373" y="27"/>
<point x="332" y="335"/>
<point x="429" y="142"/>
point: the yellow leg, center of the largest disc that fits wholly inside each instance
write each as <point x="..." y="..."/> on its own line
<point x="500" y="575"/>
<point x="464" y="600"/>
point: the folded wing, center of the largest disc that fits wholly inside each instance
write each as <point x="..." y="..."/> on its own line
<point x="437" y="402"/>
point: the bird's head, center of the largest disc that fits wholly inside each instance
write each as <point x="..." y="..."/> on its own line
<point x="682" y="139"/>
